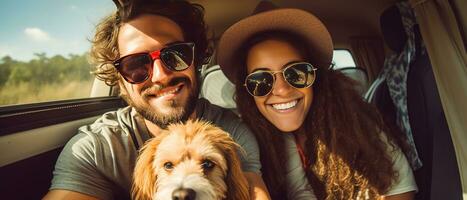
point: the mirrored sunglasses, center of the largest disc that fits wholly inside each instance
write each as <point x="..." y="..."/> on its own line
<point x="137" y="68"/>
<point x="298" y="75"/>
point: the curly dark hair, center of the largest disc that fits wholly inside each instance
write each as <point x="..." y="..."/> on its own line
<point x="190" y="17"/>
<point x="343" y="132"/>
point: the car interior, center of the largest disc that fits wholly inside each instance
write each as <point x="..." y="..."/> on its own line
<point x="372" y="31"/>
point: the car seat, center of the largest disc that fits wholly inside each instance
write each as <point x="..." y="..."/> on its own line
<point x="217" y="88"/>
<point x="440" y="174"/>
<point x="438" y="178"/>
<point x="358" y="74"/>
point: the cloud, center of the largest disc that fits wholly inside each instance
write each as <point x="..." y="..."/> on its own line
<point x="37" y="34"/>
<point x="4" y="51"/>
<point x="33" y="40"/>
<point x="15" y="52"/>
<point x="24" y="50"/>
<point x="73" y="7"/>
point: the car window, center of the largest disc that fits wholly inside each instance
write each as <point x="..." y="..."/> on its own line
<point x="342" y="58"/>
<point x="44" y="50"/>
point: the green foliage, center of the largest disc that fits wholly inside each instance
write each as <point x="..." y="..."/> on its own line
<point x="28" y="93"/>
<point x="44" y="70"/>
<point x="5" y="69"/>
<point x="44" y="78"/>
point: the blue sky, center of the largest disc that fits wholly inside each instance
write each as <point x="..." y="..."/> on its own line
<point x="61" y="27"/>
<point x="49" y="26"/>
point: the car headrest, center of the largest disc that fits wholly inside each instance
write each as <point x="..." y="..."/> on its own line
<point x="393" y="29"/>
<point x="217" y="89"/>
<point x="358" y="74"/>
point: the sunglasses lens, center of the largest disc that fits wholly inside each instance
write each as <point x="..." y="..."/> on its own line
<point x="134" y="68"/>
<point x="300" y="75"/>
<point x="259" y="83"/>
<point x="178" y="57"/>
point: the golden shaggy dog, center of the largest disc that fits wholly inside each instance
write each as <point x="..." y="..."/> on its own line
<point x="194" y="161"/>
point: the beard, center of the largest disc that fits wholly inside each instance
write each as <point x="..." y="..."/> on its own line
<point x="180" y="111"/>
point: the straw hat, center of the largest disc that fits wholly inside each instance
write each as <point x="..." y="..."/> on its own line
<point x="267" y="17"/>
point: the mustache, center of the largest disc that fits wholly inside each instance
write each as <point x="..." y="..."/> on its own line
<point x="153" y="89"/>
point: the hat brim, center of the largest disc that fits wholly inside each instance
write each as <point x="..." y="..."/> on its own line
<point x="296" y="21"/>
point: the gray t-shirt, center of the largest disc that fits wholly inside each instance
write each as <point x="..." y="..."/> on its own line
<point x="99" y="160"/>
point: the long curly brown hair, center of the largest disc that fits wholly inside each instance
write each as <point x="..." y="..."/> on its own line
<point x="190" y="17"/>
<point x="349" y="158"/>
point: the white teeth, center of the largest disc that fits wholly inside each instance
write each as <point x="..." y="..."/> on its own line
<point x="284" y="106"/>
<point x="169" y="92"/>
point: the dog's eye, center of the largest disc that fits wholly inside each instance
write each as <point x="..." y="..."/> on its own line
<point x="207" y="164"/>
<point x="168" y="166"/>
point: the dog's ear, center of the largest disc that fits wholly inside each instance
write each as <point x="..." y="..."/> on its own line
<point x="144" y="175"/>
<point x="237" y="185"/>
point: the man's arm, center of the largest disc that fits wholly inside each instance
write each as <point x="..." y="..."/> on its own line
<point x="67" y="194"/>
<point x="403" y="196"/>
<point x="258" y="190"/>
<point x="76" y="174"/>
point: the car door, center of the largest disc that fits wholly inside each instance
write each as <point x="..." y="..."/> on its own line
<point x="46" y="88"/>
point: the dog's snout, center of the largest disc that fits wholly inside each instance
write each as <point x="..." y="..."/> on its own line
<point x="184" y="194"/>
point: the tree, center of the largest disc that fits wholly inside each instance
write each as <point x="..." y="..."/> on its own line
<point x="5" y="69"/>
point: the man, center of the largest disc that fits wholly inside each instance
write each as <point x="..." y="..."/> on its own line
<point x="151" y="49"/>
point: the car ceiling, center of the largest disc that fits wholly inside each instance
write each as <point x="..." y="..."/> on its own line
<point x="344" y="18"/>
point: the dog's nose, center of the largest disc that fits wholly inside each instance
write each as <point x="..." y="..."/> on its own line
<point x="184" y="194"/>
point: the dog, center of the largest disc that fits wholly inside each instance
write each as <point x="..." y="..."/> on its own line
<point x="191" y="161"/>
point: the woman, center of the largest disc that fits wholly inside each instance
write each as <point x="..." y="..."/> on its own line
<point x="313" y="129"/>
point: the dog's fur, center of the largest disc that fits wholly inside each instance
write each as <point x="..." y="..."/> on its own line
<point x="187" y="146"/>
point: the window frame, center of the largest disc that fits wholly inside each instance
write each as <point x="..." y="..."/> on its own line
<point x="351" y="55"/>
<point x="16" y="118"/>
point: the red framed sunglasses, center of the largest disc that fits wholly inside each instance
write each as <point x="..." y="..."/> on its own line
<point x="137" y="68"/>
